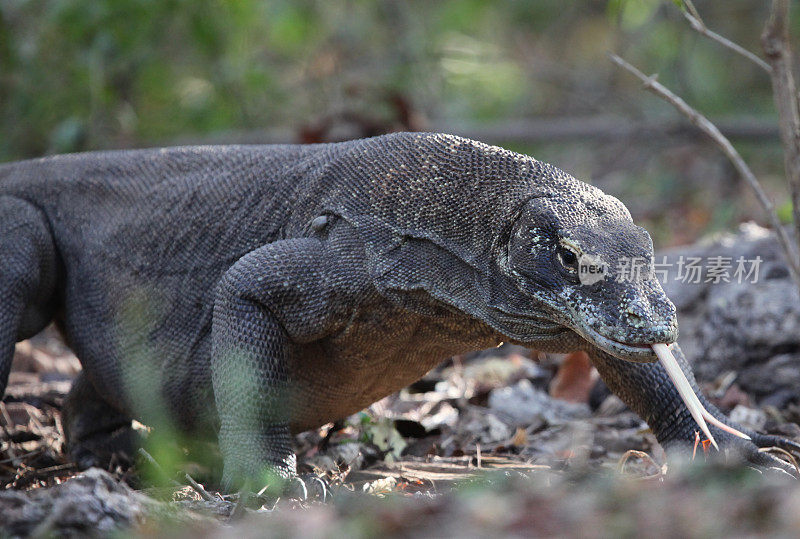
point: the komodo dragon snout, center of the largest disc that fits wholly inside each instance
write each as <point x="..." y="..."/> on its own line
<point x="593" y="269"/>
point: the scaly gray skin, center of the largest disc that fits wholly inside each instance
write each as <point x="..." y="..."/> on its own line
<point x="260" y="291"/>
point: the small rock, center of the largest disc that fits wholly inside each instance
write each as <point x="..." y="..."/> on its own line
<point x="524" y="404"/>
<point x="751" y="418"/>
<point x="348" y="454"/>
<point x="90" y="503"/>
<point x="485" y="427"/>
<point x="611" y="406"/>
<point x="733" y="397"/>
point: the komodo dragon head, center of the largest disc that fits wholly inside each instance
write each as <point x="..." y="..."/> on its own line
<point x="584" y="260"/>
<point x="517" y="243"/>
<point x="543" y="259"/>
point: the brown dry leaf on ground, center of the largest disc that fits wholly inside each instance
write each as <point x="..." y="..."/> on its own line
<point x="32" y="442"/>
<point x="575" y="378"/>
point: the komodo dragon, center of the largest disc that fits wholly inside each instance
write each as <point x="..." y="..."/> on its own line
<point x="290" y="286"/>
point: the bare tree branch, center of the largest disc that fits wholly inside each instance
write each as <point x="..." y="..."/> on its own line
<point x="652" y="85"/>
<point x="512" y="131"/>
<point x="691" y="15"/>
<point x="775" y="41"/>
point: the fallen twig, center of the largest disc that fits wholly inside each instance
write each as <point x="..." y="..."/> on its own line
<point x="5" y="426"/>
<point x="200" y="490"/>
<point x="157" y="467"/>
<point x="17" y="459"/>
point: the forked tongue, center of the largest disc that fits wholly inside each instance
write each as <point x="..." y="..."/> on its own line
<point x="693" y="404"/>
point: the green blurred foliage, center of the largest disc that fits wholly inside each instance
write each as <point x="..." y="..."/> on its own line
<point x="91" y="74"/>
<point x="84" y="74"/>
<point x="173" y="451"/>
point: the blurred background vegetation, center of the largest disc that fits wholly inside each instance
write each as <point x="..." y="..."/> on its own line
<point x="531" y="75"/>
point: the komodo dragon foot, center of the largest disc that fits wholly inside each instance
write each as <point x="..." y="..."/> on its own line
<point x="647" y="390"/>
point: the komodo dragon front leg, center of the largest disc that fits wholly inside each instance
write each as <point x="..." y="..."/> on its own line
<point x="273" y="298"/>
<point x="648" y="391"/>
<point x="28" y="275"/>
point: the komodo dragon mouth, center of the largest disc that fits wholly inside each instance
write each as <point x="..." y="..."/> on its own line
<point x="636" y="352"/>
<point x="639" y="352"/>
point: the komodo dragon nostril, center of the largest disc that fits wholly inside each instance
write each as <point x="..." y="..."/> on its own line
<point x="635" y="314"/>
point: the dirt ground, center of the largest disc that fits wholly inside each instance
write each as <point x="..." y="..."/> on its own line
<point x="505" y="441"/>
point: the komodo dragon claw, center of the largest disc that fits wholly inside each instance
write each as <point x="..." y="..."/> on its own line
<point x="772" y="448"/>
<point x="308" y="487"/>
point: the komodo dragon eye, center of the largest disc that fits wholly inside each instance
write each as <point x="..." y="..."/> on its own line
<point x="568" y="259"/>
